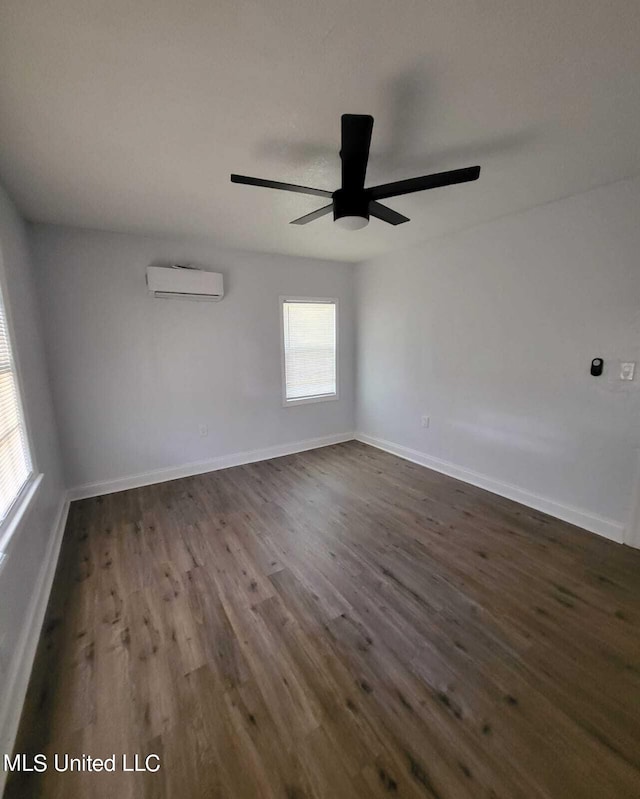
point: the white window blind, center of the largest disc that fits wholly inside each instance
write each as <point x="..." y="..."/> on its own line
<point x="15" y="461"/>
<point x="309" y="349"/>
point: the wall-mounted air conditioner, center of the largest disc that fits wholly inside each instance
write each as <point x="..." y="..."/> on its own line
<point x="184" y="283"/>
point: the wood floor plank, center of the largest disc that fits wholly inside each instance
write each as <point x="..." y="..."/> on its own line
<point x="336" y="623"/>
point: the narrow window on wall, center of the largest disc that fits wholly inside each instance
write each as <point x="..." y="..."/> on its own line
<point x="15" y="459"/>
<point x="309" y="350"/>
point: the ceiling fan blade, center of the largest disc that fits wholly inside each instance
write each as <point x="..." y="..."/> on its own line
<point x="386" y="214"/>
<point x="302" y="220"/>
<point x="274" y="184"/>
<point x="356" y="140"/>
<point x="424" y="183"/>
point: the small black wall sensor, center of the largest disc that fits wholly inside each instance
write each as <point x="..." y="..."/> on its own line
<point x="596" y="367"/>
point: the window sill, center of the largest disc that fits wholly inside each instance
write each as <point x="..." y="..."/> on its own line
<point x="308" y="400"/>
<point x="17" y="513"/>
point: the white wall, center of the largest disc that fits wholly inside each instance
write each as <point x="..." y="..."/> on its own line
<point x="23" y="571"/>
<point x="134" y="377"/>
<point x="491" y="333"/>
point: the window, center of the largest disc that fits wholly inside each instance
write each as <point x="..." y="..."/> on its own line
<point x="309" y="343"/>
<point x="15" y="461"/>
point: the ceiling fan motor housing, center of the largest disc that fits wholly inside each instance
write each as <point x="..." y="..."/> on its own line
<point x="347" y="203"/>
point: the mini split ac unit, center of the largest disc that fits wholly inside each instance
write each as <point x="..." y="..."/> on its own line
<point x="184" y="283"/>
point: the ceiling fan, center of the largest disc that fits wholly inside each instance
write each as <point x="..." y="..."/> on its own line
<point x="352" y="204"/>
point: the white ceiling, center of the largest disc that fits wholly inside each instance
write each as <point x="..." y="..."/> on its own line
<point x="131" y="114"/>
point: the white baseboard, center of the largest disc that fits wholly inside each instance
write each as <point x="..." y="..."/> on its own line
<point x="98" y="489"/>
<point x="22" y="662"/>
<point x="588" y="521"/>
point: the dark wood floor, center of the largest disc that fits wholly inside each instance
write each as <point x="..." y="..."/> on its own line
<point x="339" y="623"/>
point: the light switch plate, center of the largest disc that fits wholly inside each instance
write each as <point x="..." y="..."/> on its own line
<point x="627" y="370"/>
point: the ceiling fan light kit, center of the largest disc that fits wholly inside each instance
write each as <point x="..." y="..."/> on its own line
<point x="352" y="222"/>
<point x="352" y="204"/>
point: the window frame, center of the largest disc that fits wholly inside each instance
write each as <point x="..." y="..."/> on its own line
<point x="290" y="403"/>
<point x="22" y="501"/>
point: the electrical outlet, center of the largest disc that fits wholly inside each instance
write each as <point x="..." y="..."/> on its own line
<point x="627" y="370"/>
<point x="424" y="421"/>
<point x="204" y="430"/>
